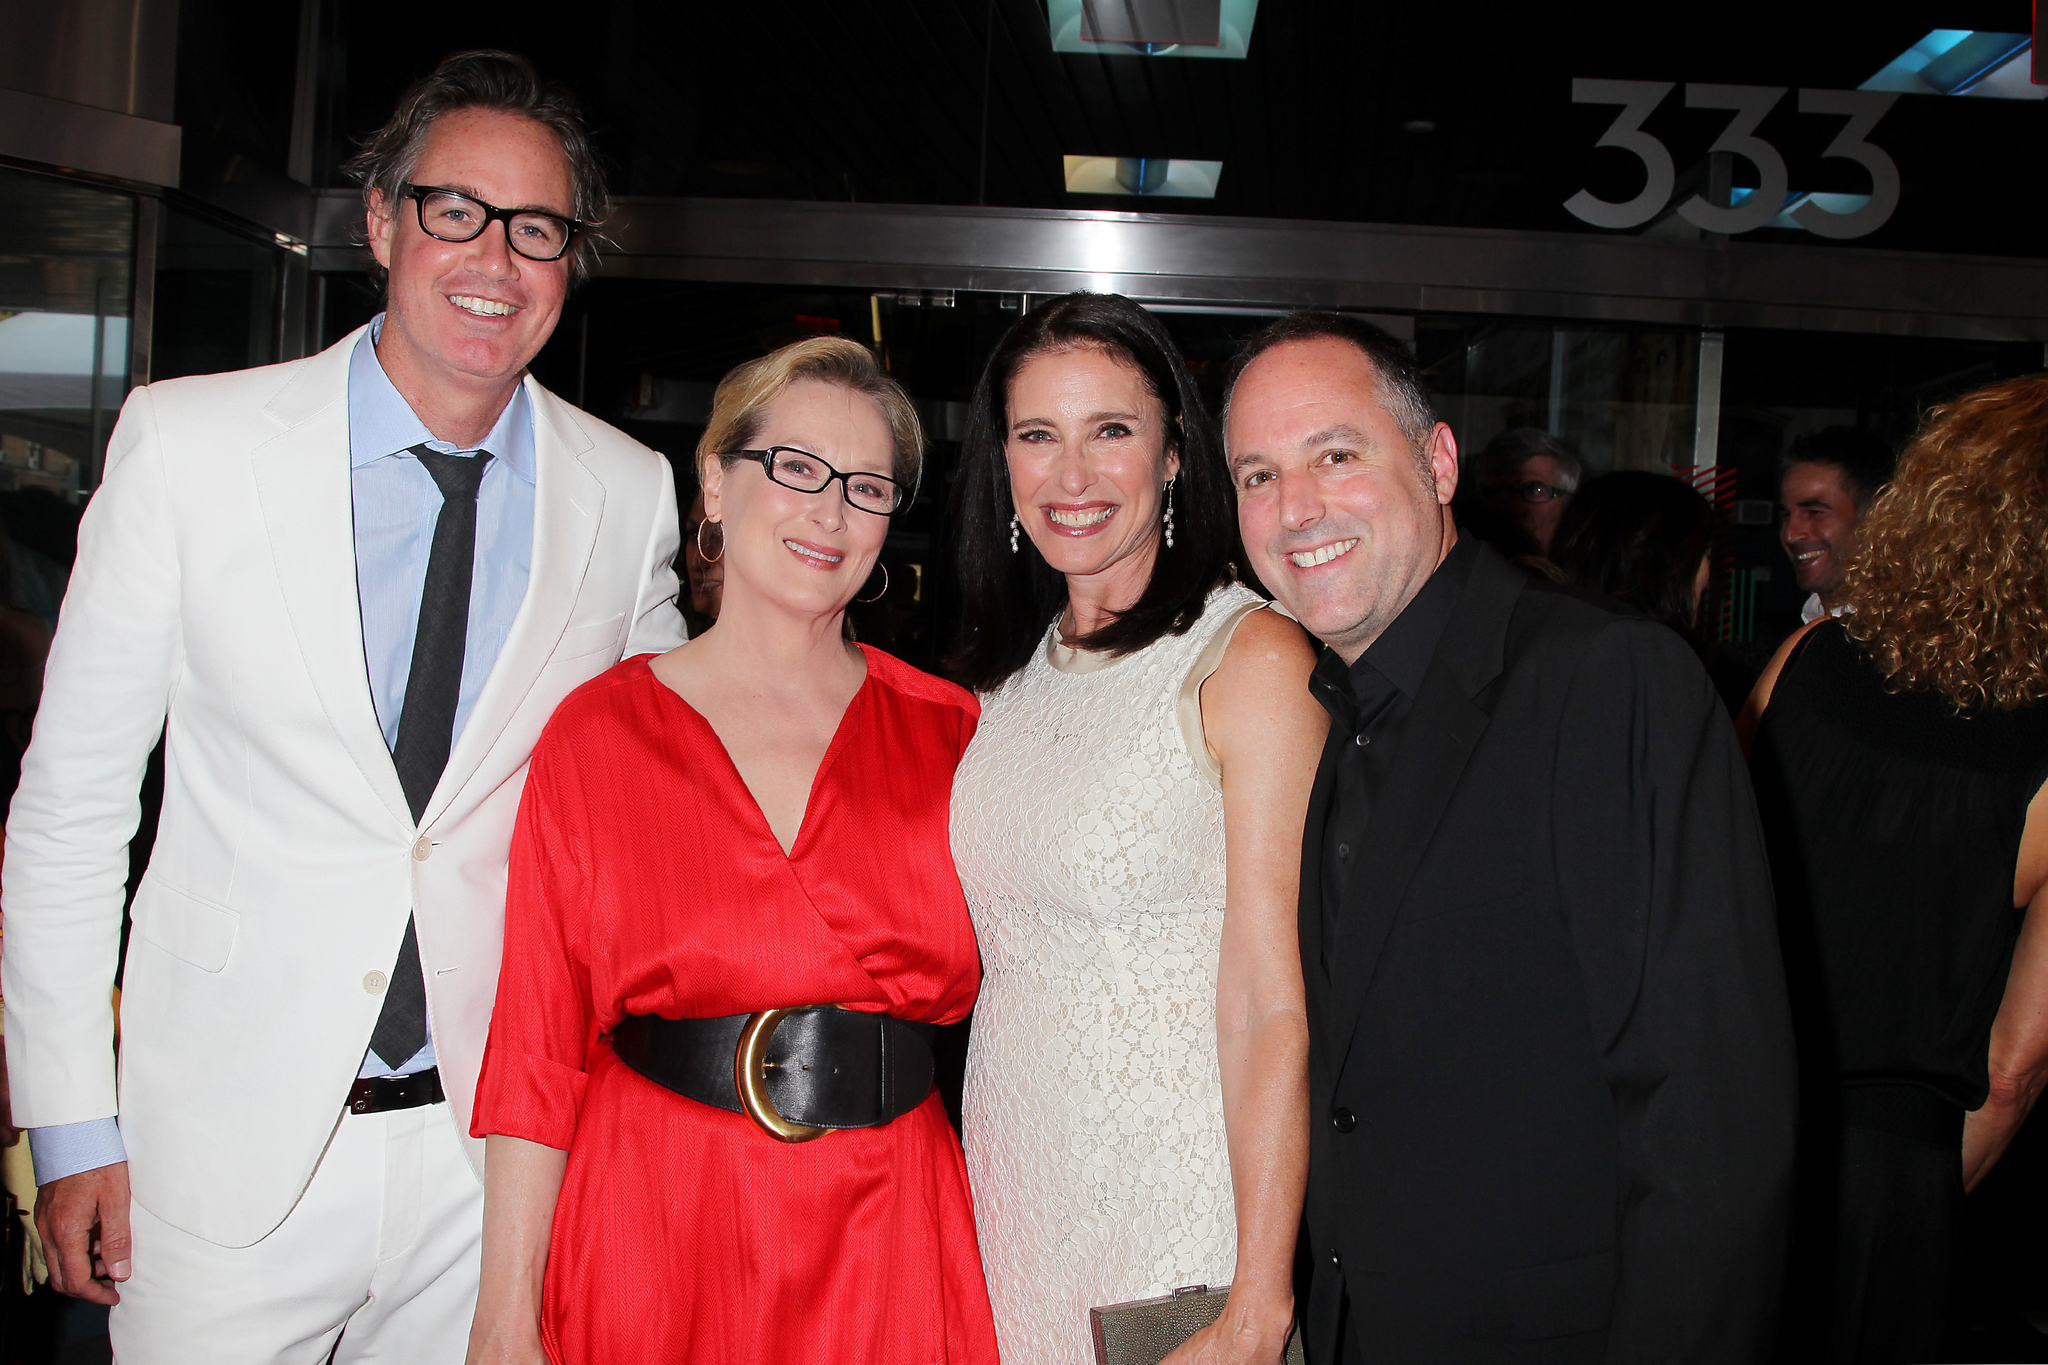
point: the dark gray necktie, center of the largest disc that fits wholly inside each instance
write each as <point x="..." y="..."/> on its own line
<point x="426" y="725"/>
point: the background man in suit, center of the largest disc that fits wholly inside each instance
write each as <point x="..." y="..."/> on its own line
<point x="1550" y="1065"/>
<point x="356" y="586"/>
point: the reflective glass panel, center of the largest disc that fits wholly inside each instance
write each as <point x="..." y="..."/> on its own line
<point x="66" y="256"/>
<point x="217" y="294"/>
<point x="1625" y="398"/>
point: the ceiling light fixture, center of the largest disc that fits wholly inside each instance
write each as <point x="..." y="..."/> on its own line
<point x="1152" y="28"/>
<point x="1840" y="205"/>
<point x="1153" y="177"/>
<point x="1961" y="61"/>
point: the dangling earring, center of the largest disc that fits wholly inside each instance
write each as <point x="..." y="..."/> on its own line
<point x="704" y="554"/>
<point x="880" y="592"/>
<point x="1015" y="527"/>
<point x="1169" y="514"/>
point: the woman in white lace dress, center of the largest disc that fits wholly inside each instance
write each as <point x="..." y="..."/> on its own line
<point x="1127" y="825"/>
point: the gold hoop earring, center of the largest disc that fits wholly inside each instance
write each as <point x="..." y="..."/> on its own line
<point x="884" y="590"/>
<point x="704" y="554"/>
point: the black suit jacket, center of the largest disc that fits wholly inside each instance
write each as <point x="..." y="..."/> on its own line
<point x="1552" y="1090"/>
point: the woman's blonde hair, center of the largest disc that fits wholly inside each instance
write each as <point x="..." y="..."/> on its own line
<point x="740" y="403"/>
<point x="1950" y="587"/>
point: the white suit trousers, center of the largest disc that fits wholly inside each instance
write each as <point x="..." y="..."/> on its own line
<point x="380" y="1252"/>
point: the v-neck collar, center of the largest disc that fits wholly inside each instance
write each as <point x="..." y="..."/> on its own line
<point x="848" y="720"/>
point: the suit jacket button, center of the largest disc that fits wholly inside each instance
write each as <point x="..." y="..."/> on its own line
<point x="1333" y="1259"/>
<point x="424" y="849"/>
<point x="1343" y="1120"/>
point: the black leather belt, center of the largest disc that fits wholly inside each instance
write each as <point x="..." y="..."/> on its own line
<point x="798" y="1073"/>
<point x="376" y="1094"/>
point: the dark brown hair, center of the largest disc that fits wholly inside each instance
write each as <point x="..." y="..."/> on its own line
<point x="500" y="81"/>
<point x="1950" y="587"/>
<point x="1638" y="536"/>
<point x="1862" y="460"/>
<point x="1010" y="598"/>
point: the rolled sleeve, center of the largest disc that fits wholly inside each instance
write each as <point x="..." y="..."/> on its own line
<point x="542" y="1026"/>
<point x="523" y="1096"/>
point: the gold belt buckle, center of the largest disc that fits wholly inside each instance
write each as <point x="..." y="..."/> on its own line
<point x="750" y="1075"/>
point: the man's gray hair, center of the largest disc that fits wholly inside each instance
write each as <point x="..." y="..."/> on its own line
<point x="500" y="81"/>
<point x="1502" y="459"/>
<point x="1402" y="392"/>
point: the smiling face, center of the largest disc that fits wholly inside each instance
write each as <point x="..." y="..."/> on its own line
<point x="472" y="314"/>
<point x="1819" y="530"/>
<point x="806" y="554"/>
<point x="1088" y="457"/>
<point x="1343" y="521"/>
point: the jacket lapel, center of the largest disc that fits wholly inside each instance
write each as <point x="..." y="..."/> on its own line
<point x="302" y="484"/>
<point x="1436" y="743"/>
<point x="568" y="506"/>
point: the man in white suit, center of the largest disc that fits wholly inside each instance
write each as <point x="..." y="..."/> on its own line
<point x="355" y="586"/>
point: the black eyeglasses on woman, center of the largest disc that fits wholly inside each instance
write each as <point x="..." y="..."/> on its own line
<point x="452" y="216"/>
<point x="807" y="473"/>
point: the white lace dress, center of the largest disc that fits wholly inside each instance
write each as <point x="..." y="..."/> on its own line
<point x="1088" y="830"/>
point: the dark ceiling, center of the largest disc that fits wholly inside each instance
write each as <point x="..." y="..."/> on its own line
<point x="885" y="100"/>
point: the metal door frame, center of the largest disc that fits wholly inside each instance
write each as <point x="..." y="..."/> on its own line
<point x="1708" y="283"/>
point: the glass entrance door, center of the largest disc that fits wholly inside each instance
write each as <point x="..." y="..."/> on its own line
<point x="67" y="253"/>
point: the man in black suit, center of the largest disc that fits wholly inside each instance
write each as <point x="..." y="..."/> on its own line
<point x="1550" y="1058"/>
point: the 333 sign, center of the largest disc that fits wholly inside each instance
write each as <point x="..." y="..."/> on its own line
<point x="1750" y="104"/>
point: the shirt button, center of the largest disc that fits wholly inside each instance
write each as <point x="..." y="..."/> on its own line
<point x="374" y="982"/>
<point x="1343" y="850"/>
<point x="1343" y="1120"/>
<point x="423" y="850"/>
<point x="1361" y="739"/>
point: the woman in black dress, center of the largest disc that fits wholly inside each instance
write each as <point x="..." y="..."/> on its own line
<point x="1899" y="755"/>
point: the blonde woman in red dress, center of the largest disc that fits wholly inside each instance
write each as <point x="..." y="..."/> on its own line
<point x="751" y="823"/>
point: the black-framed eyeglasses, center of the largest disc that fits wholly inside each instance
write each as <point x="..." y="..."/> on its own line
<point x="452" y="216"/>
<point x="807" y="473"/>
<point x="1533" y="491"/>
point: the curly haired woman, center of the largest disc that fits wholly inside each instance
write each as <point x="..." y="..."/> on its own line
<point x="1899" y="757"/>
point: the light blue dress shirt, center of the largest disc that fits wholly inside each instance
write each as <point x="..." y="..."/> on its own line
<point x="396" y="503"/>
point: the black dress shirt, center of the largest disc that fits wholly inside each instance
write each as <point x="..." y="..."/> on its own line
<point x="1369" y="702"/>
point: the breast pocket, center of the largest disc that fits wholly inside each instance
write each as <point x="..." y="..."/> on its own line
<point x="599" y="637"/>
<point x="192" y="929"/>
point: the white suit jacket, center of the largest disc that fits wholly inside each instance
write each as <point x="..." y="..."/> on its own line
<point x="216" y="585"/>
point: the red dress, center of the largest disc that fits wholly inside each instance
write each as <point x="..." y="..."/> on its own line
<point x="645" y="880"/>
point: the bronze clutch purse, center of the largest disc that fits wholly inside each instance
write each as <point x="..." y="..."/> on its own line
<point x="1145" y="1331"/>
